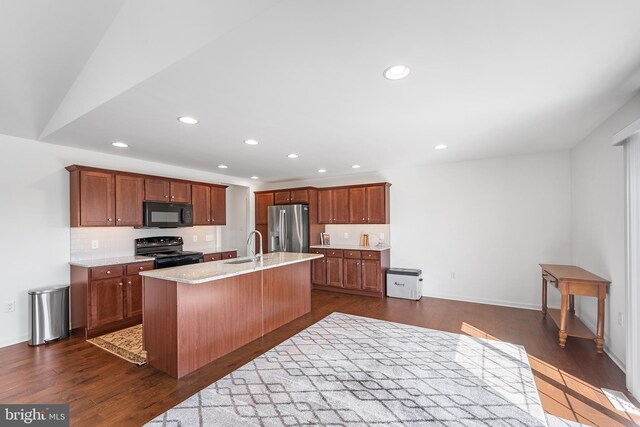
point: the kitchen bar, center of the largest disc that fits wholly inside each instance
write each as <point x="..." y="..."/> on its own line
<point x="194" y="314"/>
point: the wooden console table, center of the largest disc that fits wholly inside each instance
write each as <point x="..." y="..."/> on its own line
<point x="570" y="281"/>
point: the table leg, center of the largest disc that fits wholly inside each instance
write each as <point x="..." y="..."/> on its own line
<point x="544" y="296"/>
<point x="572" y="307"/>
<point x="600" y="331"/>
<point x="562" y="335"/>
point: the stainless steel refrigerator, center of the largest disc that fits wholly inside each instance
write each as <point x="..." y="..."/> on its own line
<point x="289" y="228"/>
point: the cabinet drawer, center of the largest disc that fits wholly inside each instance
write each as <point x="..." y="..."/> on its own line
<point x="316" y="251"/>
<point x="136" y="268"/>
<point x="230" y="254"/>
<point x="352" y="254"/>
<point x="212" y="257"/>
<point x="107" y="272"/>
<point x="370" y="255"/>
<point x="334" y="253"/>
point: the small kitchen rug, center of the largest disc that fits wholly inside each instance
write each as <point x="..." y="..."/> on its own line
<point x="126" y="343"/>
<point x="355" y="371"/>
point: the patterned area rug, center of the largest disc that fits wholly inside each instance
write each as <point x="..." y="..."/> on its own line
<point x="349" y="370"/>
<point x="126" y="343"/>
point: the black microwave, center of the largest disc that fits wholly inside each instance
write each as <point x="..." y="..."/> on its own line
<point x="167" y="215"/>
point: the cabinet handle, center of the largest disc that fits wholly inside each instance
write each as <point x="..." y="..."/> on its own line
<point x="129" y="282"/>
<point x="213" y="220"/>
<point x="166" y="197"/>
<point x="173" y="197"/>
<point x="120" y="283"/>
<point x="109" y="219"/>
<point x="109" y="272"/>
<point x="141" y="268"/>
<point x="363" y="219"/>
<point x="118" y="220"/>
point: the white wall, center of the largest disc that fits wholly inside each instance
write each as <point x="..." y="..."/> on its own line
<point x="35" y="216"/>
<point x="598" y="232"/>
<point x="490" y="222"/>
<point x="234" y="233"/>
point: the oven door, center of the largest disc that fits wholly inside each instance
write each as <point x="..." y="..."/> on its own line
<point x="167" y="215"/>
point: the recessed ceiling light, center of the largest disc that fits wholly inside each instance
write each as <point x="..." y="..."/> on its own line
<point x="251" y="142"/>
<point x="120" y="144"/>
<point x="223" y="166"/>
<point x="356" y="166"/>
<point x="440" y="147"/>
<point x="254" y="177"/>
<point x="292" y="156"/>
<point x="188" y="120"/>
<point x="396" y="72"/>
<point x="322" y="170"/>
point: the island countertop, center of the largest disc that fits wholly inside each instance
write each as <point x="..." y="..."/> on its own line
<point x="209" y="271"/>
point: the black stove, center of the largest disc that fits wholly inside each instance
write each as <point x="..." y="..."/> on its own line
<point x="167" y="251"/>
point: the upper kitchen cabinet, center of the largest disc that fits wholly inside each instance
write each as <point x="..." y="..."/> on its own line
<point x="129" y="193"/>
<point x="333" y="206"/>
<point x="92" y="199"/>
<point x="218" y="205"/>
<point x="369" y="204"/>
<point x="164" y="190"/>
<point x="291" y="197"/>
<point x="263" y="201"/>
<point x="209" y="204"/>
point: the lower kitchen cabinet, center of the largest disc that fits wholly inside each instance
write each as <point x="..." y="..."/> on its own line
<point x="351" y="271"/>
<point x="106" y="299"/>
<point x="217" y="256"/>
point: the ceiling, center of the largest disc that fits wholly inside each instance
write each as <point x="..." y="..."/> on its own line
<point x="488" y="78"/>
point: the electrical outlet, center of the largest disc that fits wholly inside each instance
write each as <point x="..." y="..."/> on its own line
<point x="195" y="237"/>
<point x="346" y="235"/>
<point x="381" y="236"/>
<point x="10" y="307"/>
<point x="95" y="244"/>
<point x="209" y="237"/>
<point x="620" y="319"/>
<point x="453" y="274"/>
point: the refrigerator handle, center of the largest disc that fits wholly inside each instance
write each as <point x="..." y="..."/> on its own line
<point x="284" y="230"/>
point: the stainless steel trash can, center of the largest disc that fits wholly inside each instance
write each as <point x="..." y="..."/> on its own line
<point x="48" y="314"/>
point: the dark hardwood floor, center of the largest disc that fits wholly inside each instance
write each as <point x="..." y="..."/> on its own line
<point x="106" y="390"/>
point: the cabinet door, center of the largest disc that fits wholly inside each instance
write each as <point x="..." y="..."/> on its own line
<point x="180" y="192"/>
<point x="156" y="190"/>
<point x="201" y="200"/>
<point x="340" y="205"/>
<point x="325" y="210"/>
<point x="282" y="197"/>
<point x="318" y="270"/>
<point x="229" y="255"/>
<point x="96" y="198"/>
<point x="134" y="296"/>
<point x="299" y="196"/>
<point x="105" y="300"/>
<point x="376" y="205"/>
<point x="352" y="273"/>
<point x="334" y="272"/>
<point x="371" y="279"/>
<point x="212" y="257"/>
<point x="263" y="201"/>
<point x="358" y="205"/>
<point x="129" y="195"/>
<point x="218" y="206"/>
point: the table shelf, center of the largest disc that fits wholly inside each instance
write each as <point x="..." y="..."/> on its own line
<point x="575" y="327"/>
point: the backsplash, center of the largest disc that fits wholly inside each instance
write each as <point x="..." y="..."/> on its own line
<point x="337" y="233"/>
<point x="119" y="241"/>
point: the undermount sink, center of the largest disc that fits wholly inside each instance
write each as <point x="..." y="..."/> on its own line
<point x="239" y="261"/>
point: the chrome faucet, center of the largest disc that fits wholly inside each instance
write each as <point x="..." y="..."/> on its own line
<point x="259" y="256"/>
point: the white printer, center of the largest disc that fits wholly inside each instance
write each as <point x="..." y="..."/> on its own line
<point x="404" y="283"/>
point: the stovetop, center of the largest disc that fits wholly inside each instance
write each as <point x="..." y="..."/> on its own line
<point x="172" y="254"/>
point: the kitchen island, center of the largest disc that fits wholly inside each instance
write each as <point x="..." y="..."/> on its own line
<point x="194" y="314"/>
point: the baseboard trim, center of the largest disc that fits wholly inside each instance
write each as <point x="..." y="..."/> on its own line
<point x="592" y="327"/>
<point x="13" y="341"/>
<point x="500" y="303"/>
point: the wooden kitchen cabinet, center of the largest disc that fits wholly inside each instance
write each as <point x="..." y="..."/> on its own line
<point x="157" y="190"/>
<point x="352" y="273"/>
<point x="318" y="268"/>
<point x="129" y="194"/>
<point x="106" y="299"/>
<point x="218" y="205"/>
<point x="333" y="206"/>
<point x="358" y="205"/>
<point x="371" y="276"/>
<point x="334" y="272"/>
<point x="201" y="201"/>
<point x="369" y="204"/>
<point x="263" y="201"/>
<point x="96" y="198"/>
<point x="281" y="197"/>
<point x="263" y="229"/>
<point x="180" y="192"/>
<point x="291" y="197"/>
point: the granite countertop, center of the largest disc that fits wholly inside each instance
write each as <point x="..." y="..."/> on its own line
<point x="216" y="270"/>
<point x="101" y="262"/>
<point x="352" y="247"/>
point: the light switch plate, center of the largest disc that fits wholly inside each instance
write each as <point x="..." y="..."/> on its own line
<point x="94" y="244"/>
<point x="209" y="237"/>
<point x="195" y="237"/>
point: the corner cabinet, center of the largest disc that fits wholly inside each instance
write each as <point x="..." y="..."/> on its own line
<point x="209" y="204"/>
<point x="106" y="298"/>
<point x="359" y="272"/>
